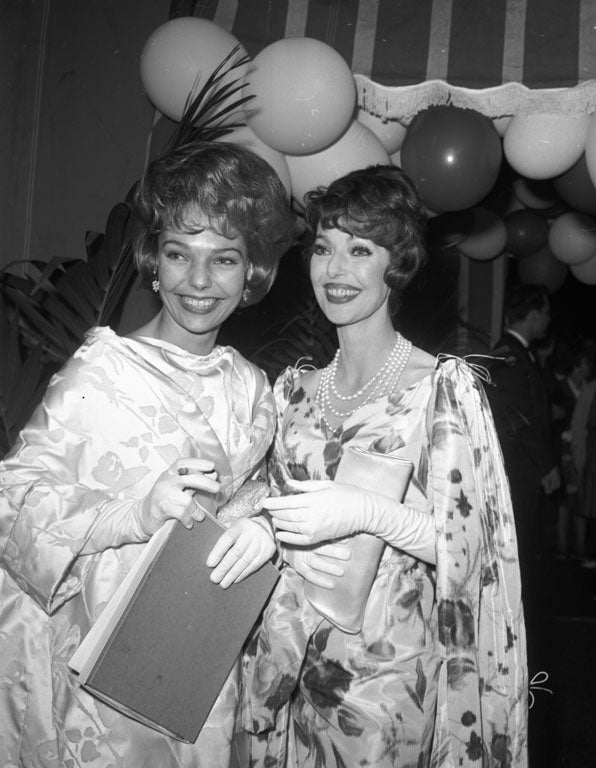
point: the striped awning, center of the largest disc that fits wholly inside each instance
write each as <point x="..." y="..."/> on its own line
<point x="500" y="57"/>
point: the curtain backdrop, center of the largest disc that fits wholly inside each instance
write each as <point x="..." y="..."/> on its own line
<point x="500" y="57"/>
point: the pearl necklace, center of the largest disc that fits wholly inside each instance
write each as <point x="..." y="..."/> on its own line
<point x="384" y="381"/>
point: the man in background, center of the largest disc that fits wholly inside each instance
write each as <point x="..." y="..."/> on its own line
<point x="520" y="403"/>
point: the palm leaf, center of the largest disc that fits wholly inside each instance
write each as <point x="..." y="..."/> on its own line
<point x="202" y="119"/>
<point x="21" y="383"/>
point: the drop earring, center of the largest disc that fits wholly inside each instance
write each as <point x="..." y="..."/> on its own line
<point x="155" y="282"/>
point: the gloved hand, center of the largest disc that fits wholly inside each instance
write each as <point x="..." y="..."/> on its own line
<point x="241" y="550"/>
<point x="312" y="563"/>
<point x="323" y="510"/>
<point x="172" y="496"/>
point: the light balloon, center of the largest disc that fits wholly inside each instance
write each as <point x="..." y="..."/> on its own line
<point x="591" y="148"/>
<point x="542" y="146"/>
<point x="357" y="148"/>
<point x="542" y="268"/>
<point x="487" y="238"/>
<point x="390" y="132"/>
<point x="304" y="95"/>
<point x="572" y="237"/>
<point x="178" y="52"/>
<point x="452" y="155"/>
<point x="526" y="232"/>
<point x="586" y="272"/>
<point x="576" y="188"/>
<point x="246" y="138"/>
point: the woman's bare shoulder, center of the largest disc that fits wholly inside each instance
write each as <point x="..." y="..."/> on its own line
<point x="420" y="365"/>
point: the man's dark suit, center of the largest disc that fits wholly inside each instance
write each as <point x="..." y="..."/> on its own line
<point x="520" y="405"/>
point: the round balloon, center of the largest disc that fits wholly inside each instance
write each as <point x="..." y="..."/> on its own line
<point x="390" y="132"/>
<point x="526" y="232"/>
<point x="487" y="238"/>
<point x="179" y="56"/>
<point x="304" y="95"/>
<point x="572" y="237"/>
<point x="450" y="229"/>
<point x="591" y="148"/>
<point x="542" y="268"/>
<point x="276" y="160"/>
<point x="357" y="148"/>
<point x="538" y="195"/>
<point x="543" y="146"/>
<point x="453" y="156"/>
<point x="586" y="272"/>
<point x="501" y="124"/>
<point x="576" y="188"/>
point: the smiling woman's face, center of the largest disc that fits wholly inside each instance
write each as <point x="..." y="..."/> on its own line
<point x="201" y="279"/>
<point x="347" y="274"/>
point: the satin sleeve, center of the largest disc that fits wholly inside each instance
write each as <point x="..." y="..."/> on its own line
<point x="47" y="510"/>
<point x="481" y="627"/>
<point x="282" y="390"/>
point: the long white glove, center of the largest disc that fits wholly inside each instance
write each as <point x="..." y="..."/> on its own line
<point x="127" y="521"/>
<point x="241" y="550"/>
<point x="172" y="495"/>
<point x="323" y="510"/>
<point x="312" y="563"/>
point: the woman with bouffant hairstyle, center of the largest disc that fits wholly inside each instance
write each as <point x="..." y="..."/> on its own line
<point x="132" y="432"/>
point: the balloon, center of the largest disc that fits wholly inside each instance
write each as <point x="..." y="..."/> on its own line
<point x="526" y="232"/>
<point x="449" y="229"/>
<point x="539" y="195"/>
<point x="357" y="148"/>
<point x="390" y="132"/>
<point x="572" y="237"/>
<point x="245" y="137"/>
<point x="179" y="51"/>
<point x="453" y="156"/>
<point x="305" y="95"/>
<point x="576" y="188"/>
<point x="542" y="268"/>
<point x="586" y="272"/>
<point x="591" y="148"/>
<point x="501" y="124"/>
<point x="488" y="237"/>
<point x="543" y="146"/>
<point x="396" y="158"/>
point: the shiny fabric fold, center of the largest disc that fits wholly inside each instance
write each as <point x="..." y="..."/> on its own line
<point x="112" y="420"/>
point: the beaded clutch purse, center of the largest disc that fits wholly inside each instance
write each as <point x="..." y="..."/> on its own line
<point x="245" y="502"/>
<point x="345" y="604"/>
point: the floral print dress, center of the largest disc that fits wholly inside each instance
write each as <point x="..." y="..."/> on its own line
<point x="437" y="675"/>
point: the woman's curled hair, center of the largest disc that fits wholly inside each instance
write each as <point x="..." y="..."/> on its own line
<point x="232" y="189"/>
<point x="378" y="203"/>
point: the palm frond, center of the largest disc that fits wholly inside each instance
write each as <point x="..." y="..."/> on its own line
<point x="21" y="382"/>
<point x="206" y="108"/>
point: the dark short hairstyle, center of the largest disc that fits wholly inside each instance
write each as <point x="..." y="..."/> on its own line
<point x="378" y="203"/>
<point x="523" y="298"/>
<point x="238" y="193"/>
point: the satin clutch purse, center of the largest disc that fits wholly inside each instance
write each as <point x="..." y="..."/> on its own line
<point x="345" y="604"/>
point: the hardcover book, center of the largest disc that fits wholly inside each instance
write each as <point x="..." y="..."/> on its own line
<point x="164" y="645"/>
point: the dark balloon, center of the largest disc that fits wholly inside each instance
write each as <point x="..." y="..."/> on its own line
<point x="575" y="187"/>
<point x="526" y="232"/>
<point x="453" y="156"/>
<point x="542" y="268"/>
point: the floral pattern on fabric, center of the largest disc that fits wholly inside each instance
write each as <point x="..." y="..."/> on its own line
<point x="437" y="676"/>
<point x="112" y="420"/>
